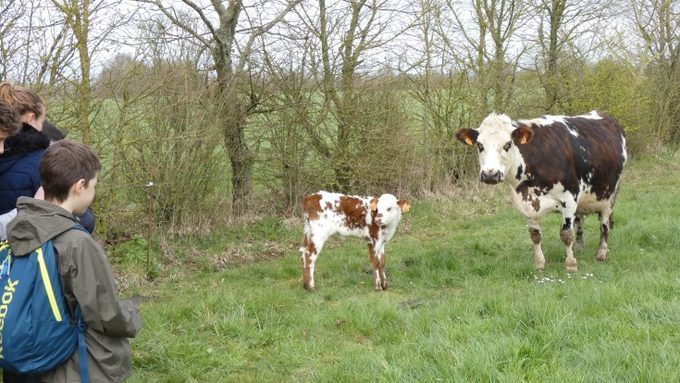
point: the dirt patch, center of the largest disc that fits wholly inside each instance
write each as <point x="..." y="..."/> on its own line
<point x="249" y="253"/>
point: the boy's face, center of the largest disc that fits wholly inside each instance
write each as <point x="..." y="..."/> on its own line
<point x="83" y="195"/>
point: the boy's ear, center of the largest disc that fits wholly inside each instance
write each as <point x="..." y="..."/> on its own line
<point x="467" y="136"/>
<point x="78" y="186"/>
<point x="405" y="205"/>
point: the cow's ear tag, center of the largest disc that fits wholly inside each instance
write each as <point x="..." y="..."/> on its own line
<point x="374" y="204"/>
<point x="524" y="139"/>
<point x="467" y="136"/>
<point x="522" y="134"/>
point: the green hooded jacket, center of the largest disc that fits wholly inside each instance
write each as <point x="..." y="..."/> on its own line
<point x="87" y="280"/>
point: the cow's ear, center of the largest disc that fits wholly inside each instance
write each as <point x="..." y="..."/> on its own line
<point x="467" y="136"/>
<point x="373" y="204"/>
<point x="522" y="134"/>
<point x="404" y="205"/>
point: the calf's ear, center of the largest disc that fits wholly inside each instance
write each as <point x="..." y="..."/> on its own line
<point x="522" y="134"/>
<point x="404" y="205"/>
<point x="467" y="136"/>
<point x="373" y="205"/>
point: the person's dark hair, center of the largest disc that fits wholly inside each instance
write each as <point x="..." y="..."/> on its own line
<point x="65" y="163"/>
<point x="52" y="132"/>
<point x="9" y="119"/>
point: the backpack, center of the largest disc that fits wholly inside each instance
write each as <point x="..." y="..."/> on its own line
<point x="37" y="333"/>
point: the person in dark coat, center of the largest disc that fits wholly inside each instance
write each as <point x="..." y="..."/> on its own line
<point x="23" y="151"/>
<point x="19" y="166"/>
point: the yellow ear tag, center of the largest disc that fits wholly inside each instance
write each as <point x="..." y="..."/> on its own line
<point x="468" y="141"/>
<point x="524" y="139"/>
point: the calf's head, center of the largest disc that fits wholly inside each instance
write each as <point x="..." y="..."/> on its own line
<point x="388" y="209"/>
<point x="496" y="140"/>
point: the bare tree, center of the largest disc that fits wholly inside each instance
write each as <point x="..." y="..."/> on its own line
<point x="90" y="24"/>
<point x="231" y="41"/>
<point x="561" y="24"/>
<point x="347" y="34"/>
<point x="658" y="24"/>
<point x="490" y="30"/>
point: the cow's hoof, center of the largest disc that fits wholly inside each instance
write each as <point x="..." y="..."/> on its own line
<point x="539" y="264"/>
<point x="602" y="255"/>
<point x="572" y="266"/>
<point x="309" y="288"/>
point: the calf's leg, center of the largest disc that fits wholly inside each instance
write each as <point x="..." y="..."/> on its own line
<point x="376" y="263"/>
<point x="311" y="247"/>
<point x="383" y="278"/>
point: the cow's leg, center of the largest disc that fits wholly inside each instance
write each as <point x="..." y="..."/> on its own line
<point x="374" y="256"/>
<point x="383" y="259"/>
<point x="311" y="247"/>
<point x="567" y="236"/>
<point x="578" y="223"/>
<point x="535" y="233"/>
<point x="605" y="225"/>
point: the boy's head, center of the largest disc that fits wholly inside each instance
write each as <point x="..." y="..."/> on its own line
<point x="68" y="173"/>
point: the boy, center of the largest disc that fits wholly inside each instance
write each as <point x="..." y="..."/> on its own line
<point x="68" y="174"/>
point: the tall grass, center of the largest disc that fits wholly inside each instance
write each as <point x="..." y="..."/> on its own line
<point x="464" y="302"/>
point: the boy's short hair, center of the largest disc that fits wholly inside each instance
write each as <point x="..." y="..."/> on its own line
<point x="65" y="163"/>
<point x="9" y="119"/>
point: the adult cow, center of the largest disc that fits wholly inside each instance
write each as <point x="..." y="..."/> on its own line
<point x="571" y="165"/>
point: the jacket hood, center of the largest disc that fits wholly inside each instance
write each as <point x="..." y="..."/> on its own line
<point x="36" y="222"/>
<point x="27" y="140"/>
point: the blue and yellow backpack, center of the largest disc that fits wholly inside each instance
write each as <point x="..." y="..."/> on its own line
<point x="37" y="332"/>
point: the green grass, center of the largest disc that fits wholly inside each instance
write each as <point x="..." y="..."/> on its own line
<point x="464" y="303"/>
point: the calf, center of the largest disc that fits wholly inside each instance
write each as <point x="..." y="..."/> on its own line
<point x="373" y="219"/>
<point x="571" y="165"/>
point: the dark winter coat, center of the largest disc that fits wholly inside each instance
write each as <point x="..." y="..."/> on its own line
<point x="86" y="280"/>
<point x="19" y="164"/>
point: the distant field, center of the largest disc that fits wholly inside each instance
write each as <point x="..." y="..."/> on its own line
<point x="464" y="303"/>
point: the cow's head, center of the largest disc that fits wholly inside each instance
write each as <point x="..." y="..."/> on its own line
<point x="495" y="140"/>
<point x="389" y="209"/>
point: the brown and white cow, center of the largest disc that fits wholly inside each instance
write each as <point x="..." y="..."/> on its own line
<point x="375" y="219"/>
<point x="570" y="165"/>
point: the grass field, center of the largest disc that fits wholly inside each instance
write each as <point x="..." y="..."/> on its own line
<point x="464" y="303"/>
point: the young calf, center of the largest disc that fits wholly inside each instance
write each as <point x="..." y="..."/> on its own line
<point x="373" y="219"/>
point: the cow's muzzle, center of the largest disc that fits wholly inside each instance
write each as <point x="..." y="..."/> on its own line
<point x="491" y="177"/>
